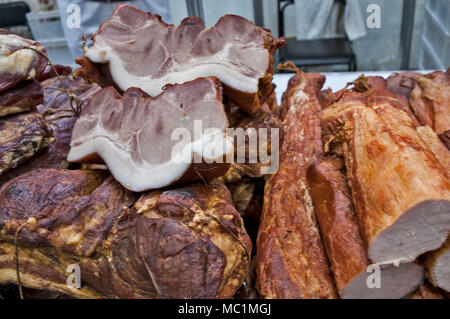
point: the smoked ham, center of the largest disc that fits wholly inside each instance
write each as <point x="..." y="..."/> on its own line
<point x="402" y="83"/>
<point x="400" y="191"/>
<point x="181" y="243"/>
<point x="438" y="265"/>
<point x="291" y="261"/>
<point x="136" y="49"/>
<point x="58" y="114"/>
<point x="138" y="137"/>
<point x="430" y="101"/>
<point x="344" y="245"/>
<point x="22" y="136"/>
<point x="20" y="59"/>
<point x="436" y="146"/>
<point x="20" y="98"/>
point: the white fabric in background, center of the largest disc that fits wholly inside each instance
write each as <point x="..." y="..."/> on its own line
<point x="95" y="13"/>
<point x="319" y="19"/>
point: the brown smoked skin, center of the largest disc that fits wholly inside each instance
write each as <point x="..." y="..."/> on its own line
<point x="291" y="261"/>
<point x="338" y="223"/>
<point x="391" y="171"/>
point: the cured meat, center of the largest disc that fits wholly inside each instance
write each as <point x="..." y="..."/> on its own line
<point x="21" y="137"/>
<point x="20" y="98"/>
<point x="426" y="291"/>
<point x="430" y="101"/>
<point x="49" y="72"/>
<point x="402" y="83"/>
<point x="344" y="245"/>
<point x="376" y="90"/>
<point x="436" y="146"/>
<point x="291" y="261"/>
<point x="138" y="136"/>
<point x="58" y="114"/>
<point x="255" y="138"/>
<point x="400" y="191"/>
<point x="180" y="243"/>
<point x="204" y="250"/>
<point x="136" y="49"/>
<point x="438" y="265"/>
<point x="248" y="197"/>
<point x="18" y="62"/>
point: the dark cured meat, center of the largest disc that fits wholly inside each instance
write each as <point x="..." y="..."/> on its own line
<point x="21" y="98"/>
<point x="402" y="83"/>
<point x="17" y="63"/>
<point x="59" y="116"/>
<point x="49" y="72"/>
<point x="21" y="137"/>
<point x="180" y="243"/>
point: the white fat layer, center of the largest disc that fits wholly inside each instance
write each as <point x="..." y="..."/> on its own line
<point x="17" y="62"/>
<point x="101" y="52"/>
<point x="147" y="176"/>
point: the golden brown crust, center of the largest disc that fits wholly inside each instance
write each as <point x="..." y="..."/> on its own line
<point x="430" y="100"/>
<point x="436" y="146"/>
<point x="290" y="260"/>
<point x="384" y="154"/>
<point x="338" y="224"/>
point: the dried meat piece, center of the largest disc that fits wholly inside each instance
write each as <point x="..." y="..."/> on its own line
<point x="21" y="98"/>
<point x="402" y="83"/>
<point x="345" y="248"/>
<point x="180" y="243"/>
<point x="20" y="59"/>
<point x="430" y="101"/>
<point x="438" y="265"/>
<point x="398" y="185"/>
<point x="253" y="136"/>
<point x="21" y="137"/>
<point x="58" y="113"/>
<point x="291" y="261"/>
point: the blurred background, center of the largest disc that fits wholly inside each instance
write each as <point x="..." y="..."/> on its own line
<point x="323" y="35"/>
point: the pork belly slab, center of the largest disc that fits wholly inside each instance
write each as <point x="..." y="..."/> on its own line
<point x="136" y="49"/>
<point x="344" y="245"/>
<point x="18" y="62"/>
<point x="400" y="190"/>
<point x="181" y="243"/>
<point x="291" y="261"/>
<point x="136" y="135"/>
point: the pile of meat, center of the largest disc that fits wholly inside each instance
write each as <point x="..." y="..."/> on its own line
<point x="98" y="200"/>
